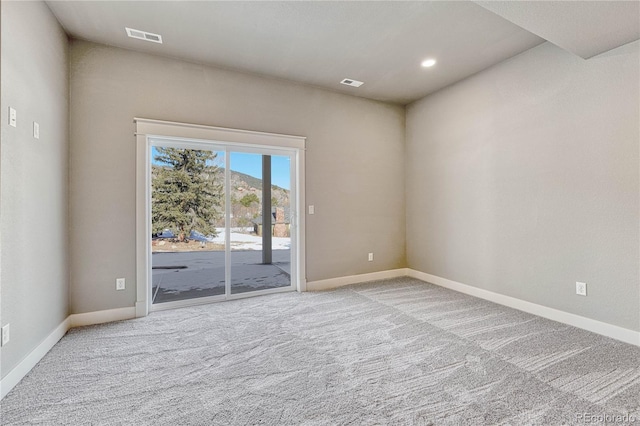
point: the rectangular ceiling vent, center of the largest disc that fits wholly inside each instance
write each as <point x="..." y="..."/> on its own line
<point x="351" y="82"/>
<point x="144" y="35"/>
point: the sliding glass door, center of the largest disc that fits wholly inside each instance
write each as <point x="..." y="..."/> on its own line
<point x="221" y="221"/>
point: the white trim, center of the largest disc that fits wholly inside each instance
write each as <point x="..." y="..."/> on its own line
<point x="142" y="309"/>
<point x="227" y="225"/>
<point x="177" y="304"/>
<point x="300" y="216"/>
<point x="264" y="292"/>
<point x="149" y="127"/>
<point x="613" y="331"/>
<point x="331" y="283"/>
<point x="100" y="317"/>
<point x="143" y="227"/>
<point x="217" y="145"/>
<point x="30" y="361"/>
<point x="74" y="320"/>
<point x="150" y="132"/>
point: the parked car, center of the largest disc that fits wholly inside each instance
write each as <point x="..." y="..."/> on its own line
<point x="198" y="236"/>
<point x="194" y="235"/>
<point x="164" y="234"/>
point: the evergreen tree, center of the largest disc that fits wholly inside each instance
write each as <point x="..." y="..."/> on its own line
<point x="249" y="199"/>
<point x="187" y="192"/>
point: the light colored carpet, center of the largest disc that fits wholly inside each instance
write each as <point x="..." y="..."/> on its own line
<point x="390" y="352"/>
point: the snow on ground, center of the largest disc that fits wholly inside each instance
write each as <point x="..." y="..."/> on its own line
<point x="241" y="241"/>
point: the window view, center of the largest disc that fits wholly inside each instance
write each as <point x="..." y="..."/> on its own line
<point x="189" y="223"/>
<point x="187" y="209"/>
<point x="260" y="235"/>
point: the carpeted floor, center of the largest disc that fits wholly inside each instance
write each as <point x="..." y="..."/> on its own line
<point x="390" y="352"/>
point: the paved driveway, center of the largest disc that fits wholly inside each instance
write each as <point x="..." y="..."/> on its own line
<point x="185" y="275"/>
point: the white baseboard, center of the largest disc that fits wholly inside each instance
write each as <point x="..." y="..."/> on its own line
<point x="30" y="361"/>
<point x="615" y="332"/>
<point x="99" y="317"/>
<point x="74" y="320"/>
<point x="353" y="279"/>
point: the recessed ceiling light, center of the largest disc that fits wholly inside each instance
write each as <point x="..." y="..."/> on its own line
<point x="351" y="82"/>
<point x="144" y="35"/>
<point x="428" y="63"/>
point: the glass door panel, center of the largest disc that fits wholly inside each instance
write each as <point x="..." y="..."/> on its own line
<point x="260" y="229"/>
<point x="188" y="223"/>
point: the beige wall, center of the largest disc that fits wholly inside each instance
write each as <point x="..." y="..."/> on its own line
<point x="355" y="156"/>
<point x="33" y="191"/>
<point x="521" y="180"/>
<point x="524" y="179"/>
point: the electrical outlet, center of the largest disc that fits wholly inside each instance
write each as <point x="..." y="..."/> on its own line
<point x="5" y="334"/>
<point x="120" y="284"/>
<point x="36" y="130"/>
<point x="370" y="257"/>
<point x="312" y="210"/>
<point x="581" y="288"/>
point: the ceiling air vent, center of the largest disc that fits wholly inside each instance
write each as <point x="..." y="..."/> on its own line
<point x="351" y="82"/>
<point x="143" y="35"/>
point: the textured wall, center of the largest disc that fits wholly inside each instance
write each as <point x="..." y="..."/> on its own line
<point x="355" y="156"/>
<point x="33" y="193"/>
<point x="524" y="179"/>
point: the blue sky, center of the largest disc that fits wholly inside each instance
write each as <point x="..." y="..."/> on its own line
<point x="251" y="164"/>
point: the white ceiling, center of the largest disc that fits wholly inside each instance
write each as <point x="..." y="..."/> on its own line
<point x="318" y="43"/>
<point x="585" y="28"/>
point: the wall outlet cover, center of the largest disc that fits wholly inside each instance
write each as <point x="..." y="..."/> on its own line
<point x="120" y="284"/>
<point x="581" y="288"/>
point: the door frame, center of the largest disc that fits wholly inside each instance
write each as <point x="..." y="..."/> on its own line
<point x="149" y="132"/>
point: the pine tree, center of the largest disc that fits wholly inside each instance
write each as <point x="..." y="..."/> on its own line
<point x="187" y="192"/>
